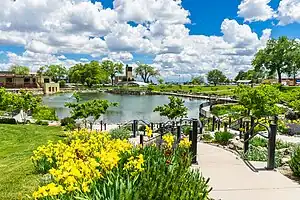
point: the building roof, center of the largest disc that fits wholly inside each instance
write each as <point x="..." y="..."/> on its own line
<point x="244" y="81"/>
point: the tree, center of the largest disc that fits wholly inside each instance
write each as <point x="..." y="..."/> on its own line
<point x="88" y="74"/>
<point x="112" y="69"/>
<point x="19" y="70"/>
<point x="198" y="80"/>
<point x="146" y="71"/>
<point x="259" y="101"/>
<point x="89" y="110"/>
<point x="293" y="57"/>
<point x="274" y="58"/>
<point x="56" y="72"/>
<point x="173" y="110"/>
<point x="160" y="81"/>
<point x="216" y="77"/>
<point x="241" y="76"/>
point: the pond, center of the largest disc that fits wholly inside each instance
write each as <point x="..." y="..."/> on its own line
<point x="130" y="107"/>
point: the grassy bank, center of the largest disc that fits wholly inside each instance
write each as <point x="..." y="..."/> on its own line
<point x="17" y="142"/>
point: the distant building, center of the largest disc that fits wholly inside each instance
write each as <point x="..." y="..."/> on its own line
<point x="14" y="81"/>
<point x="128" y="75"/>
<point x="290" y="81"/>
<point x="244" y="82"/>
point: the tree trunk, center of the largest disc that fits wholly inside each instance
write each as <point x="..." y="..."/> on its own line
<point x="294" y="73"/>
<point x="279" y="75"/>
<point x="112" y="80"/>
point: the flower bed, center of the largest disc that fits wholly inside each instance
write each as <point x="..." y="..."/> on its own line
<point x="91" y="165"/>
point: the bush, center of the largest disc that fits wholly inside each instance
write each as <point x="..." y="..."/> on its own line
<point x="120" y="133"/>
<point x="223" y="137"/>
<point x="7" y="121"/>
<point x="295" y="162"/>
<point x="42" y="123"/>
<point x="69" y="123"/>
<point x="259" y="142"/>
<point x="44" y="113"/>
<point x="207" y="137"/>
<point x="142" y="128"/>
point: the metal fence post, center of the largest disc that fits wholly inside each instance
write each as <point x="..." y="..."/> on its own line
<point x="246" y="137"/>
<point x="229" y="121"/>
<point x="252" y="125"/>
<point x="241" y="126"/>
<point x="101" y="125"/>
<point x="213" y="124"/>
<point x="134" y="128"/>
<point x="194" y="141"/>
<point x="151" y="126"/>
<point x="178" y="133"/>
<point x="272" y="147"/>
<point x="225" y="126"/>
<point x="142" y="140"/>
<point x="219" y="124"/>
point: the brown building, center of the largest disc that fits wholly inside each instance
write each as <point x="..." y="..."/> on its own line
<point x="128" y="75"/>
<point x="290" y="81"/>
<point x="11" y="80"/>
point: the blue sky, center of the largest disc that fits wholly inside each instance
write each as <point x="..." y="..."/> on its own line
<point x="182" y="39"/>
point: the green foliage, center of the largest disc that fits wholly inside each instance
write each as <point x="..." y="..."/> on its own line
<point x="112" y="69"/>
<point x="150" y="88"/>
<point x="7" y="121"/>
<point x="259" y="142"/>
<point x="223" y="137"/>
<point x="174" y="109"/>
<point x="158" y="181"/>
<point x="56" y="72"/>
<point x="254" y="76"/>
<point x="260" y="101"/>
<point x="146" y="72"/>
<point x="216" y="77"/>
<point x="88" y="74"/>
<point x="62" y="83"/>
<point x="42" y="123"/>
<point x="43" y="112"/>
<point x="207" y="137"/>
<point x="230" y="110"/>
<point x="19" y="70"/>
<point x="197" y="80"/>
<point x="89" y="109"/>
<point x="160" y="81"/>
<point x="69" y="123"/>
<point x="120" y="133"/>
<point x="295" y="161"/>
<point x="274" y="57"/>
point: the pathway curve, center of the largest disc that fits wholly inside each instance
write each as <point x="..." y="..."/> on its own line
<point x="231" y="179"/>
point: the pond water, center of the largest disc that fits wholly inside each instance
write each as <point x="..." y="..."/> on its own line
<point x="130" y="107"/>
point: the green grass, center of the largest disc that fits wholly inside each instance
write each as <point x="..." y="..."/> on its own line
<point x="220" y="90"/>
<point x="17" y="142"/>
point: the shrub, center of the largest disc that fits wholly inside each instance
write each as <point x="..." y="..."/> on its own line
<point x="223" y="137"/>
<point x="69" y="123"/>
<point x="207" y="137"/>
<point x="186" y="130"/>
<point x="259" y="142"/>
<point x="42" y="123"/>
<point x="120" y="133"/>
<point x="295" y="161"/>
<point x="44" y="113"/>
<point x="8" y="121"/>
<point x="142" y="128"/>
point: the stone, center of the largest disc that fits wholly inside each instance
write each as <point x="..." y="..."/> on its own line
<point x="236" y="143"/>
<point x="285" y="160"/>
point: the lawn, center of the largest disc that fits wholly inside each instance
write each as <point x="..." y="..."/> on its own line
<point x="17" y="142"/>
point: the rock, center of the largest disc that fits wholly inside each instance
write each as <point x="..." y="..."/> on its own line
<point x="231" y="146"/>
<point x="285" y="160"/>
<point x="236" y="143"/>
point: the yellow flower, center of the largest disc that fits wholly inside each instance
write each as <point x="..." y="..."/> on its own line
<point x="185" y="143"/>
<point x="169" y="140"/>
<point x="148" y="131"/>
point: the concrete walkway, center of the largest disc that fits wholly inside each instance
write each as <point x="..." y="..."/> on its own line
<point x="231" y="179"/>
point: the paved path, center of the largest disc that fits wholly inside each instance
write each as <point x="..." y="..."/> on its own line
<point x="231" y="179"/>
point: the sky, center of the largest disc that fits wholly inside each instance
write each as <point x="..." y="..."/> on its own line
<point x="181" y="38"/>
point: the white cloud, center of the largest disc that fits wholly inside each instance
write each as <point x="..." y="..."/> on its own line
<point x="255" y="10"/>
<point x="141" y="11"/>
<point x="289" y="12"/>
<point x="120" y="56"/>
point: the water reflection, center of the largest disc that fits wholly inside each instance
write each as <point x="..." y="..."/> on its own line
<point x="130" y="107"/>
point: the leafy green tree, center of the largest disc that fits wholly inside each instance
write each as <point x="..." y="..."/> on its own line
<point x="146" y="71"/>
<point x="216" y="77"/>
<point x="89" y="110"/>
<point x="173" y="110"/>
<point x="88" y="74"/>
<point x="293" y="57"/>
<point x="241" y="76"/>
<point x="259" y="101"/>
<point x="112" y="69"/>
<point x="160" y="81"/>
<point x="19" y="70"/>
<point x="198" y="80"/>
<point x="56" y="72"/>
<point x="274" y="58"/>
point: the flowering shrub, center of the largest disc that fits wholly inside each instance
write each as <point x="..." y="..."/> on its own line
<point x="91" y="165"/>
<point x="148" y="131"/>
